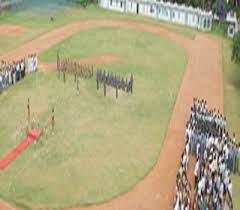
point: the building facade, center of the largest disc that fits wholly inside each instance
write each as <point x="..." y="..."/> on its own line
<point x="180" y="14"/>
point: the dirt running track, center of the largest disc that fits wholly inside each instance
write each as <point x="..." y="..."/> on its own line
<point x="203" y="79"/>
<point x="45" y="67"/>
<point x="12" y="30"/>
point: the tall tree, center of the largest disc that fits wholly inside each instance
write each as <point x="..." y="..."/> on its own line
<point x="221" y="9"/>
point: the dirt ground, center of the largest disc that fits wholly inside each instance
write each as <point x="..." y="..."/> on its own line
<point x="202" y="79"/>
<point x="85" y="61"/>
<point x="12" y="30"/>
<point x="6" y="206"/>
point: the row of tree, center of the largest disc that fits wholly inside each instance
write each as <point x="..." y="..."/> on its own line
<point x="83" y="3"/>
<point x="208" y="4"/>
<point x="220" y="7"/>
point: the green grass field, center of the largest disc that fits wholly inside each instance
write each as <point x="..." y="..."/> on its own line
<point x="102" y="146"/>
<point x="231" y="75"/>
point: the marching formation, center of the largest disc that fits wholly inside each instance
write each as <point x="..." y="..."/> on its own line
<point x="217" y="156"/>
<point x="79" y="70"/>
<point x="114" y="81"/>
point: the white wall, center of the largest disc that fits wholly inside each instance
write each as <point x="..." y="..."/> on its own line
<point x="131" y="7"/>
<point x="162" y="11"/>
<point x="116" y="5"/>
<point x="192" y="20"/>
<point x="104" y="3"/>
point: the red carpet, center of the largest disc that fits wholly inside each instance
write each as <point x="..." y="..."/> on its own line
<point x="32" y="136"/>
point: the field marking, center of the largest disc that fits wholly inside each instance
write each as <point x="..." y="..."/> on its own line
<point x="202" y="79"/>
<point x="102" y="59"/>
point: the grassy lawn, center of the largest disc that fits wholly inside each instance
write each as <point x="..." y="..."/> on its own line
<point x="231" y="75"/>
<point x="101" y="147"/>
<point x="38" y="20"/>
<point x="113" y="143"/>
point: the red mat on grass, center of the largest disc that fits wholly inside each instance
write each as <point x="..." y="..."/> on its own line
<point x="32" y="136"/>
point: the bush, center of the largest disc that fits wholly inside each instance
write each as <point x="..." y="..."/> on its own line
<point x="236" y="48"/>
<point x="84" y="3"/>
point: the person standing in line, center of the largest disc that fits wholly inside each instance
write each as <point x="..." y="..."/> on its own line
<point x="14" y="73"/>
<point x="29" y="64"/>
<point x="18" y="76"/>
<point x="1" y="82"/>
<point x="22" y="66"/>
<point x="35" y="61"/>
<point x="10" y="75"/>
<point x="238" y="160"/>
<point x="6" y="77"/>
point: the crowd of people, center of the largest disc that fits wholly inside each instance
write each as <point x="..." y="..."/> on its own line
<point x="73" y="67"/>
<point x="217" y="156"/>
<point x="112" y="80"/>
<point x="12" y="72"/>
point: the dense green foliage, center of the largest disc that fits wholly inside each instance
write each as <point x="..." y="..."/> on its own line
<point x="236" y="48"/>
<point x="206" y="4"/>
<point x="83" y="3"/>
<point x="231" y="76"/>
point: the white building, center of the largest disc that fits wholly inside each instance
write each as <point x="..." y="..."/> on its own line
<point x="166" y="11"/>
<point x="231" y="19"/>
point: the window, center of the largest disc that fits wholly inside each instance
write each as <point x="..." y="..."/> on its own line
<point x="111" y="2"/>
<point x="204" y="23"/>
<point x="208" y="23"/>
<point x="121" y="4"/>
<point x="152" y="9"/>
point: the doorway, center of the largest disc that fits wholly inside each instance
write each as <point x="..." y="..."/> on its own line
<point x="137" y="8"/>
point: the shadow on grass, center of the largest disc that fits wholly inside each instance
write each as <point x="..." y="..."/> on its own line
<point x="235" y="77"/>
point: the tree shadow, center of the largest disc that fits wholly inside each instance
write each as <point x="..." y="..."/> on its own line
<point x="235" y="79"/>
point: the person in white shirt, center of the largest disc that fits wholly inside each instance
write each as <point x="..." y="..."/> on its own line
<point x="32" y="63"/>
<point x="1" y="82"/>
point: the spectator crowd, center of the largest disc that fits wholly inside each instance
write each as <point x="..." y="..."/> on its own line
<point x="12" y="72"/>
<point x="217" y="156"/>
